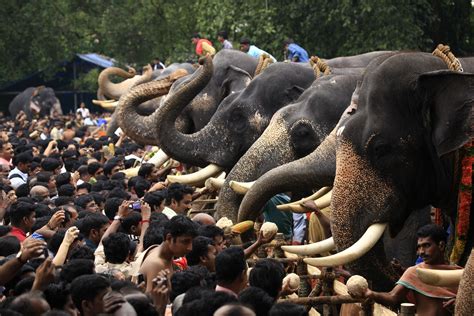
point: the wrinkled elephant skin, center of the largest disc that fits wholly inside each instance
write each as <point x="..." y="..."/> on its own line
<point x="41" y="101"/>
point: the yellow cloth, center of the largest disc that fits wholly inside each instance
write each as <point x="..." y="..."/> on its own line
<point x="315" y="229"/>
<point x="208" y="49"/>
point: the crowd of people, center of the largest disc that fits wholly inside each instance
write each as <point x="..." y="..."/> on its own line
<point x="79" y="235"/>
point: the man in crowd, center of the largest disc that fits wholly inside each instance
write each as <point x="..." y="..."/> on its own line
<point x="252" y="50"/>
<point x="295" y="52"/>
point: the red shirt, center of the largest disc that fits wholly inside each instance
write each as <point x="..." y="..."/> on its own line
<point x="18" y="233"/>
<point x="199" y="46"/>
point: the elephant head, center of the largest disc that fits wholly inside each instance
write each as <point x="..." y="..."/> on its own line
<point x="239" y="120"/>
<point x="294" y="132"/>
<point x="395" y="153"/>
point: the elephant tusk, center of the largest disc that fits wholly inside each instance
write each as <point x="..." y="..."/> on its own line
<point x="241" y="187"/>
<point x="158" y="160"/>
<point x="440" y="277"/>
<point x="311" y="249"/>
<point x="106" y="104"/>
<point x="322" y="202"/>
<point x="198" y="178"/>
<point x="214" y="184"/>
<point x="357" y="250"/>
<point x="316" y="195"/>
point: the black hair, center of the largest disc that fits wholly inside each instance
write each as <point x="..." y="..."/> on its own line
<point x="182" y="281"/>
<point x="196" y="35"/>
<point x="207" y="304"/>
<point x="83" y="170"/>
<point x="75" y="268"/>
<point x="210" y="231"/>
<point x="71" y="165"/>
<point x="435" y="232"/>
<point x="118" y="193"/>
<point x="132" y="219"/>
<point x="63" y="178"/>
<point x="245" y="40"/>
<point x="111" y="206"/>
<point x="66" y="190"/>
<point x="200" y="249"/>
<point x="141" y="186"/>
<point x="230" y="263"/>
<point x="109" y="165"/>
<point x="4" y="230"/>
<point x="93" y="167"/>
<point x="83" y="200"/>
<point x="257" y="300"/>
<point x="81" y="252"/>
<point x="223" y="34"/>
<point x="24" y="303"/>
<point x="63" y="200"/>
<point x="98" y="198"/>
<point x="56" y="240"/>
<point x="50" y="164"/>
<point x="20" y="210"/>
<point x="285" y="309"/>
<point x="9" y="245"/>
<point x="154" y="199"/>
<point x="145" y="169"/>
<point x="57" y="295"/>
<point x="268" y="275"/>
<point x="87" y="287"/>
<point x="23" y="190"/>
<point x="92" y="221"/>
<point x="177" y="191"/>
<point x="84" y="185"/>
<point x="24" y="157"/>
<point x="153" y="235"/>
<point x="180" y="225"/>
<point x="288" y="41"/>
<point x="42" y="210"/>
<point x="40" y="222"/>
<point x="116" y="247"/>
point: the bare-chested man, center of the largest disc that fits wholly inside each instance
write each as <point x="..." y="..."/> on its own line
<point x="430" y="300"/>
<point x="178" y="237"/>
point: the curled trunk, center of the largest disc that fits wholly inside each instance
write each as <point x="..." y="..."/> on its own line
<point x="313" y="171"/>
<point x="115" y="90"/>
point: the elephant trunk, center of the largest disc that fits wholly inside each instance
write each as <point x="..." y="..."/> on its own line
<point x="465" y="299"/>
<point x="115" y="90"/>
<point x="141" y="128"/>
<point x="261" y="157"/>
<point x="313" y="171"/>
<point x="188" y="148"/>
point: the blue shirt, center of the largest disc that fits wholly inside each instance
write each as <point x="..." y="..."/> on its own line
<point x="256" y="52"/>
<point x="295" y="50"/>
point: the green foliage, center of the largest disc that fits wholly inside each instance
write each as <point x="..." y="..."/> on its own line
<point x="38" y="34"/>
<point x="87" y="81"/>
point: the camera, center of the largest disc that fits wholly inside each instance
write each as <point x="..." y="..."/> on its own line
<point x="135" y="205"/>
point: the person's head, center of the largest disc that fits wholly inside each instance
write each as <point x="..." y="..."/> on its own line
<point x="63" y="178"/>
<point x="84" y="173"/>
<point x="231" y="268"/>
<point x="87" y="202"/>
<point x="287" y="42"/>
<point x="22" y="215"/>
<point x="93" y="226"/>
<point x="111" y="167"/>
<point x="131" y="224"/>
<point x="179" y="233"/>
<point x="285" y="309"/>
<point x="204" y="219"/>
<point x="95" y="169"/>
<point x="87" y="293"/>
<point x="235" y="310"/>
<point x="149" y="171"/>
<point x="59" y="297"/>
<point x="257" y="299"/>
<point x="116" y="247"/>
<point x="39" y="193"/>
<point x="431" y="244"/>
<point x="216" y="234"/>
<point x="268" y="275"/>
<point x="203" y="253"/>
<point x="221" y="36"/>
<point x="182" y="281"/>
<point x="51" y="164"/>
<point x="67" y="190"/>
<point x="111" y="206"/>
<point x="81" y="252"/>
<point x="179" y="197"/>
<point x="156" y="200"/>
<point x="47" y="177"/>
<point x="195" y="38"/>
<point x="244" y="44"/>
<point x="83" y="189"/>
<point x="139" y="186"/>
<point x="23" y="161"/>
<point x="9" y="245"/>
<point x="6" y="150"/>
<point x="153" y="235"/>
<point x="75" y="268"/>
<point x="31" y="303"/>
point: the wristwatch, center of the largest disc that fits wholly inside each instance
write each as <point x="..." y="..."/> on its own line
<point x="117" y="218"/>
<point x="18" y="257"/>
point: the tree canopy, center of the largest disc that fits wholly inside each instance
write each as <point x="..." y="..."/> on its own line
<point x="38" y="34"/>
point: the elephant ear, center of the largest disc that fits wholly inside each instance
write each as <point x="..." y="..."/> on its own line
<point x="447" y="109"/>
<point x="292" y="93"/>
<point x="236" y="80"/>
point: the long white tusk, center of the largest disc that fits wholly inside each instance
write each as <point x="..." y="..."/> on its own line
<point x="106" y="104"/>
<point x="296" y="207"/>
<point x="354" y="252"/>
<point x="198" y="178"/>
<point x="159" y="158"/>
<point x="440" y="277"/>
<point x="241" y="187"/>
<point x="214" y="183"/>
<point x="316" y="195"/>
<point x="311" y="249"/>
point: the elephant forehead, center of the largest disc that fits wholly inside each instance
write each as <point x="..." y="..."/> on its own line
<point x="203" y="102"/>
<point x="358" y="188"/>
<point x="258" y="121"/>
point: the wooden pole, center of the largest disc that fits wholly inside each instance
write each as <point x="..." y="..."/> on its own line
<point x="340" y="299"/>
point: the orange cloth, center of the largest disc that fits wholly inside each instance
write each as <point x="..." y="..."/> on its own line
<point x="411" y="281"/>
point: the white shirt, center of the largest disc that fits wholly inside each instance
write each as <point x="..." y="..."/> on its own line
<point x="84" y="112"/>
<point x="169" y="212"/>
<point x="17" y="181"/>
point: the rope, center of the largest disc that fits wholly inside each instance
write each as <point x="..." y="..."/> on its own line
<point x="263" y="61"/>
<point x="319" y="66"/>
<point x="444" y="52"/>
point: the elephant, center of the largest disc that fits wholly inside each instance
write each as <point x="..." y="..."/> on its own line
<point x="393" y="151"/>
<point x="294" y="131"/>
<point x="233" y="70"/>
<point x="162" y="73"/>
<point x="40" y="100"/>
